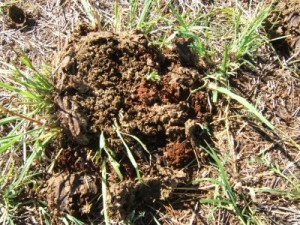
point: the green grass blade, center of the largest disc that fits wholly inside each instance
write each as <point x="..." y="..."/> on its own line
<point x="274" y="191"/>
<point x="133" y="7"/>
<point x="33" y="85"/>
<point x="36" y="152"/>
<point x="232" y="199"/>
<point x="128" y="151"/>
<point x="25" y="60"/>
<point x="88" y="11"/>
<point x="8" y="120"/>
<point x="27" y="165"/>
<point x="6" y="144"/>
<point x="224" y="64"/>
<point x="113" y="162"/>
<point x="247" y="40"/>
<point x="102" y="146"/>
<point x="242" y="101"/>
<point x="178" y="17"/>
<point x="116" y="167"/>
<point x="104" y="195"/>
<point x="74" y="220"/>
<point x="118" y="13"/>
<point x="145" y="13"/>
<point x="36" y="80"/>
<point x="139" y="141"/>
<point x="42" y="82"/>
<point x="11" y="138"/>
<point x="25" y="94"/>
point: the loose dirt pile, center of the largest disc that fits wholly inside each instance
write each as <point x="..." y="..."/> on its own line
<point x="110" y="81"/>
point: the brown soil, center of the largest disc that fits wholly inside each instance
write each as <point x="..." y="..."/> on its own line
<point x="102" y="84"/>
<point x="286" y="22"/>
<point x="71" y="193"/>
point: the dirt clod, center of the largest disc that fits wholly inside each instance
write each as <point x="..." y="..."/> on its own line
<point x="71" y="193"/>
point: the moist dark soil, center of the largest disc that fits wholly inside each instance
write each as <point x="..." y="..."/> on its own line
<point x="105" y="85"/>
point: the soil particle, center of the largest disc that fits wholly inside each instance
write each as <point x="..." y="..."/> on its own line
<point x="178" y="153"/>
<point x="131" y="196"/>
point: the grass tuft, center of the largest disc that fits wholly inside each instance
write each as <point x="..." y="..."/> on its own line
<point x="224" y="196"/>
<point x="29" y="129"/>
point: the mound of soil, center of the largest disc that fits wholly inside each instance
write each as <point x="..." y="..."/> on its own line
<point x="119" y="84"/>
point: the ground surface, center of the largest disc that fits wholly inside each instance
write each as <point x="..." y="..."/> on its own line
<point x="141" y="97"/>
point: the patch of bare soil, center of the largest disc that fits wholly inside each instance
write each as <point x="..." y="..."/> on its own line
<point x="105" y="84"/>
<point x="286" y="23"/>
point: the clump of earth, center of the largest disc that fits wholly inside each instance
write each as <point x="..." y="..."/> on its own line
<point x="285" y="25"/>
<point x="119" y="83"/>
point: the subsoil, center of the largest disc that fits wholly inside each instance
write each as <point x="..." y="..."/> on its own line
<point x="104" y="86"/>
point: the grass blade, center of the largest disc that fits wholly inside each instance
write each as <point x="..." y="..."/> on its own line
<point x="88" y="9"/>
<point x="7" y="144"/>
<point x="128" y="151"/>
<point x="25" y="94"/>
<point x="178" y="17"/>
<point x="37" y="151"/>
<point x="74" y="220"/>
<point x="104" y="196"/>
<point x="145" y="13"/>
<point x="8" y="120"/>
<point x="102" y="146"/>
<point x="242" y="101"/>
<point x="133" y="6"/>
